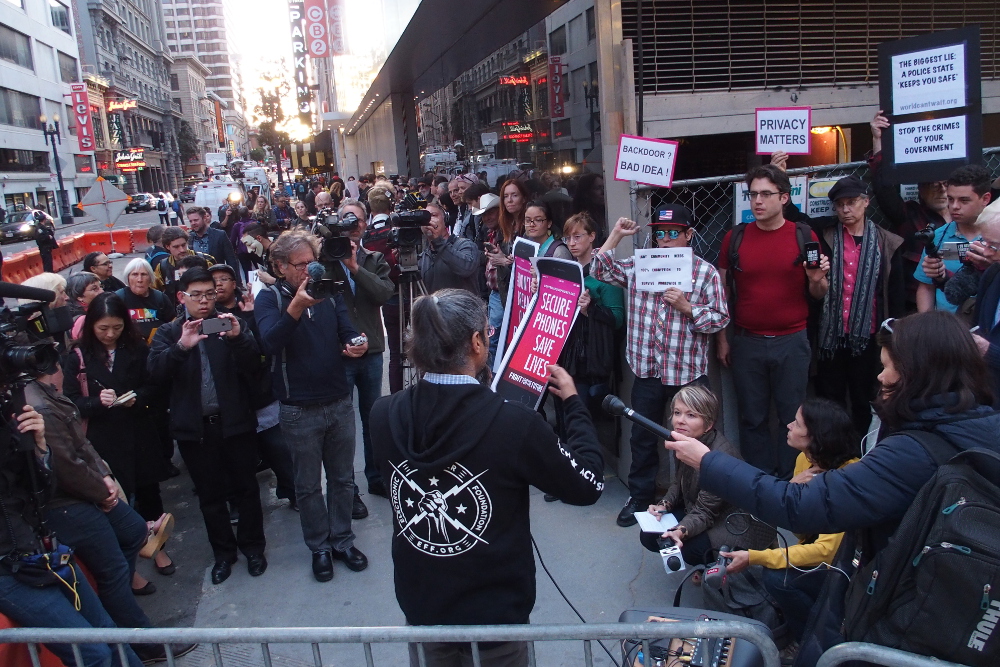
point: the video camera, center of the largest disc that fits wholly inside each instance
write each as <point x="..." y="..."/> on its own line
<point x="26" y="348"/>
<point x="406" y="236"/>
<point x="326" y="277"/>
<point x="925" y="237"/>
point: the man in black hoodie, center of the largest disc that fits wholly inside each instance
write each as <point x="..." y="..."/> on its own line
<point x="459" y="461"/>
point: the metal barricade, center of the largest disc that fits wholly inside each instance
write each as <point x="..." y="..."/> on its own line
<point x="367" y="637"/>
<point x="880" y="655"/>
<point x="711" y="199"/>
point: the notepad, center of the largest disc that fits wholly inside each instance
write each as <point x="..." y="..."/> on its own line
<point x="649" y="523"/>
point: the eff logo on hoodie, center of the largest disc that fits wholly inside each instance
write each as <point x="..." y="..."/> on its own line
<point x="440" y="512"/>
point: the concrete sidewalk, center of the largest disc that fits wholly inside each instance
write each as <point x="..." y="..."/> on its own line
<point x="602" y="569"/>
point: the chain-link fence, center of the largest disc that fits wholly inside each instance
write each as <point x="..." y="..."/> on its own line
<point x="712" y="199"/>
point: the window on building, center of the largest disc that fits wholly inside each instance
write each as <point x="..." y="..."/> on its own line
<point x="173" y="49"/>
<point x="60" y="16"/>
<point x="175" y="83"/>
<point x="15" y="47"/>
<point x="171" y="36"/>
<point x="180" y="104"/>
<point x="97" y="125"/>
<point x="561" y="129"/>
<point x="67" y="68"/>
<point x="84" y="164"/>
<point x="17" y="3"/>
<point x="15" y="160"/>
<point x="183" y="12"/>
<point x="187" y="47"/>
<point x="19" y="109"/>
<point x="577" y="78"/>
<point x="70" y="117"/>
<point x="168" y="12"/>
<point x="183" y="24"/>
<point x="591" y="25"/>
<point x="557" y="41"/>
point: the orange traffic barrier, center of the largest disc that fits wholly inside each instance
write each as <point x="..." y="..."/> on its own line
<point x="14" y="268"/>
<point x="75" y="250"/>
<point x="123" y="240"/>
<point x="96" y="242"/>
<point x="33" y="263"/>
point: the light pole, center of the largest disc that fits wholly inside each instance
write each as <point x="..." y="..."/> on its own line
<point x="53" y="131"/>
<point x="590" y="94"/>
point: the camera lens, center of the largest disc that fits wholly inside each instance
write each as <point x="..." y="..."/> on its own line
<point x="27" y="358"/>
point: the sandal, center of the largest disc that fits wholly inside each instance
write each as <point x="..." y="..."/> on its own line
<point x="159" y="532"/>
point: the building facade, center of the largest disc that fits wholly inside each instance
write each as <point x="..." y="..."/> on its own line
<point x="197" y="28"/>
<point x="197" y="105"/>
<point x="122" y="42"/>
<point x="39" y="59"/>
<point x="572" y="37"/>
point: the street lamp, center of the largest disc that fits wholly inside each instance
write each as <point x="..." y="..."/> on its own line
<point x="52" y="130"/>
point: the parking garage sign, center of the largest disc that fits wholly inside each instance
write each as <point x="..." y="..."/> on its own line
<point x="647" y="161"/>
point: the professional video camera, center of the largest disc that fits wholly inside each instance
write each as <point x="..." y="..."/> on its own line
<point x="326" y="277"/>
<point x="406" y="236"/>
<point x="26" y="348"/>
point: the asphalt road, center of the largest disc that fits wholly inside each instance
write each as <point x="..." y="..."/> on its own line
<point x="143" y="220"/>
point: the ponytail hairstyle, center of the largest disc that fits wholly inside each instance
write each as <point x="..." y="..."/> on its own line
<point x="442" y="324"/>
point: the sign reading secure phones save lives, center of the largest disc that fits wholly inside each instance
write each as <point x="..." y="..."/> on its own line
<point x="647" y="161"/>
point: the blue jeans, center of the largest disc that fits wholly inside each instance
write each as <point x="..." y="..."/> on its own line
<point x="365" y="373"/>
<point x="52" y="607"/>
<point x="796" y="593"/>
<point x="496" y="321"/>
<point x="321" y="438"/>
<point x="107" y="543"/>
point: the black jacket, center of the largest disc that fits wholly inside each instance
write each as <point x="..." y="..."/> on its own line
<point x="219" y="247"/>
<point x="229" y="358"/>
<point x="22" y="513"/>
<point x="126" y="438"/>
<point x="871" y="495"/>
<point x="451" y="262"/>
<point x="459" y="460"/>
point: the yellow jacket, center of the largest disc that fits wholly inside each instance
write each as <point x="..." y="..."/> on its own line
<point x="820" y="550"/>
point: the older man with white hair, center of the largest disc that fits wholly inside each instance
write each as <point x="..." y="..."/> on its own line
<point x="985" y="254"/>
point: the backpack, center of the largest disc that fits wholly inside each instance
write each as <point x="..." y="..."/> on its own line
<point x="931" y="590"/>
<point x="161" y="205"/>
<point x="803" y="234"/>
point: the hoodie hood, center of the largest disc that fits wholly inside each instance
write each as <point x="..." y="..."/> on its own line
<point x="434" y="424"/>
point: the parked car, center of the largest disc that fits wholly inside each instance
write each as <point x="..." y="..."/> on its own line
<point x="141" y="201"/>
<point x="19" y="226"/>
<point x="187" y="194"/>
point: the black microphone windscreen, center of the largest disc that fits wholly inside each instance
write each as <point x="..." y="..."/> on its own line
<point x="613" y="405"/>
<point x="13" y="291"/>
<point x="315" y="270"/>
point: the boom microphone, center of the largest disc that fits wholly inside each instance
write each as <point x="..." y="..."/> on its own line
<point x="14" y="291"/>
<point x="315" y="271"/>
<point x="614" y="405"/>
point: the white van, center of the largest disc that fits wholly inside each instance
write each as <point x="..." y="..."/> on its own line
<point x="211" y="194"/>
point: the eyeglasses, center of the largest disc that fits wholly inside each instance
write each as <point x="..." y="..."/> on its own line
<point x="300" y="266"/>
<point x="887" y="324"/>
<point x="200" y="296"/>
<point x="576" y="238"/>
<point x="102" y="264"/>
<point x="763" y="194"/>
<point x="535" y="221"/>
<point x="224" y="279"/>
<point x="672" y="234"/>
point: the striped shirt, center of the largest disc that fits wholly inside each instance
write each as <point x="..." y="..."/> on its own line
<point x="661" y="341"/>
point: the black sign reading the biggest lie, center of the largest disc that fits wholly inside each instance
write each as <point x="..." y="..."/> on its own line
<point x="930" y="89"/>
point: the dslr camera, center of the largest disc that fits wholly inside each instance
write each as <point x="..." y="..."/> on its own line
<point x="406" y="236"/>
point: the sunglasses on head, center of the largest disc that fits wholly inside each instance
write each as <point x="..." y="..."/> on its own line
<point x="672" y="234"/>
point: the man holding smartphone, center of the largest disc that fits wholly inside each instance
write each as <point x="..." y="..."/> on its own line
<point x="867" y="285"/>
<point x="203" y="357"/>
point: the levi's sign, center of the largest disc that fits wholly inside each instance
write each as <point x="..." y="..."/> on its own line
<point x="783" y="129"/>
<point x="648" y="161"/>
<point x="81" y="111"/>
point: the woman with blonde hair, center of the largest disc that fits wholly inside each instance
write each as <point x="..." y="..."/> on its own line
<point x="703" y="518"/>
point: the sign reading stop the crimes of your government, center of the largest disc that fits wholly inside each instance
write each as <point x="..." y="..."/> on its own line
<point x="783" y="129"/>
<point x="647" y="161"/>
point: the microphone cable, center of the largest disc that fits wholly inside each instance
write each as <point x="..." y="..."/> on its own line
<point x="558" y="588"/>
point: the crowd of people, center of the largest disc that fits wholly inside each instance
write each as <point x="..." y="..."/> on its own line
<point x="216" y="342"/>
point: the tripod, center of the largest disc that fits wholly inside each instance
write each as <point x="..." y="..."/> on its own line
<point x="411" y="287"/>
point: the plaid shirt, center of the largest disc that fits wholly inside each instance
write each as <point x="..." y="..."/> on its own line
<point x="662" y="342"/>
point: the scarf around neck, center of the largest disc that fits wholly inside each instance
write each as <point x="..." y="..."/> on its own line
<point x="859" y="323"/>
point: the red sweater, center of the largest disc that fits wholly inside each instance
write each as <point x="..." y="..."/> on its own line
<point x="771" y="297"/>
